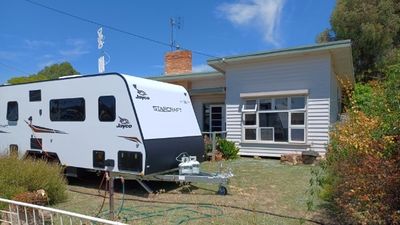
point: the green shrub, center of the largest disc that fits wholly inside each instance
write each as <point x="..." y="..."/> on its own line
<point x="228" y="149"/>
<point x="18" y="176"/>
<point x="361" y="176"/>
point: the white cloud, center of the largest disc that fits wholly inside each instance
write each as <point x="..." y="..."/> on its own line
<point x="201" y="68"/>
<point x="34" y="44"/>
<point x="77" y="47"/>
<point x="10" y="55"/>
<point x="263" y="14"/>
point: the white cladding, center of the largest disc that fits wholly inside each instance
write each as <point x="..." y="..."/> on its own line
<point x="164" y="110"/>
<point x="310" y="72"/>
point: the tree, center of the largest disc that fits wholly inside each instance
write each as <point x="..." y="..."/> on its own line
<point x="325" y="36"/>
<point x="374" y="28"/>
<point x="48" y="73"/>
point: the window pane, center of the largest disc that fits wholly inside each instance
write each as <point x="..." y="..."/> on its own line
<point x="281" y="103"/>
<point x="267" y="134"/>
<point x="35" y="96"/>
<point x="250" y="119"/>
<point x="107" y="108"/>
<point x="298" y="102"/>
<point x="279" y="121"/>
<point x="217" y="109"/>
<point x="297" y="119"/>
<point x="250" y="134"/>
<point x="297" y="134"/>
<point x="68" y="109"/>
<point x="12" y="111"/>
<point x="265" y="104"/>
<point x="250" y="104"/>
<point x="217" y="116"/>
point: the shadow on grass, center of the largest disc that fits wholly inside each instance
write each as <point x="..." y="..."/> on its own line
<point x="93" y="181"/>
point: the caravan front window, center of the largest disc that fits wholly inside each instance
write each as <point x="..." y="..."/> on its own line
<point x="107" y="108"/>
<point x="67" y="109"/>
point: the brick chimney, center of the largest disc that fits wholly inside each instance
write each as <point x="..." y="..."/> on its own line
<point x="178" y="62"/>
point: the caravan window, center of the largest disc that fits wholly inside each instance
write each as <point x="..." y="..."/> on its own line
<point x="12" y="111"/>
<point x="107" y="108"/>
<point x="67" y="109"/>
<point x="35" y="96"/>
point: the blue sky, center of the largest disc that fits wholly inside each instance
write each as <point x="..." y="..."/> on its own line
<point x="32" y="37"/>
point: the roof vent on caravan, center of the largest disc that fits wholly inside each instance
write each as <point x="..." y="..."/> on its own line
<point x="70" y="76"/>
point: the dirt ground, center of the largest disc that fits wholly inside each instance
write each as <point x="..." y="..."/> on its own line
<point x="263" y="191"/>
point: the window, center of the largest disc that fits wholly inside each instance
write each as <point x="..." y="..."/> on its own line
<point x="280" y="119"/>
<point x="277" y="121"/>
<point x="131" y="161"/>
<point x="265" y="104"/>
<point x="107" y="108"/>
<point x="249" y="106"/>
<point x="35" y="96"/>
<point x="281" y="103"/>
<point x="68" y="109"/>
<point x="99" y="158"/>
<point x="36" y="143"/>
<point x="12" y="111"/>
<point x="213" y="118"/>
<point x="297" y="102"/>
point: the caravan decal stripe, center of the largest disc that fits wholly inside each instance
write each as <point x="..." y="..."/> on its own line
<point x="134" y="139"/>
<point x="3" y="132"/>
<point x="38" y="129"/>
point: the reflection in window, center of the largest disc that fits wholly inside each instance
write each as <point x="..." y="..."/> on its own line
<point x="281" y="104"/>
<point x="12" y="111"/>
<point x="107" y="108"/>
<point x="67" y="109"/>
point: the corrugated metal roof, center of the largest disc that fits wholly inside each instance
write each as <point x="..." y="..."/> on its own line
<point x="187" y="76"/>
<point x="300" y="49"/>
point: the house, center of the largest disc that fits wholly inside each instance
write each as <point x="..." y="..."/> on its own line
<point x="270" y="103"/>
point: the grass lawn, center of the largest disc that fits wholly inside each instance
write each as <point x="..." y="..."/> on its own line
<point x="262" y="192"/>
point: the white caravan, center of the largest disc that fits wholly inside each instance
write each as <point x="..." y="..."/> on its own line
<point x="130" y="124"/>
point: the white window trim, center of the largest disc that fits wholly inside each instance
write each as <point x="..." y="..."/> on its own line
<point x="250" y="110"/>
<point x="290" y="126"/>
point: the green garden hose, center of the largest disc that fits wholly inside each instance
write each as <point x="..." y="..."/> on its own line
<point x="128" y="214"/>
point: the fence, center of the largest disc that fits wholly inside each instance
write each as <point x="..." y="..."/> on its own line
<point x="21" y="213"/>
<point x="213" y="137"/>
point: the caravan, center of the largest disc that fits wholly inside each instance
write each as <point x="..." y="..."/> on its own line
<point x="124" y="123"/>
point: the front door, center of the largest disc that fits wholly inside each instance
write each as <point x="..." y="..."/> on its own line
<point x="214" y="118"/>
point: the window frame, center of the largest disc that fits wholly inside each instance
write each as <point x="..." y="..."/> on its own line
<point x="250" y="110"/>
<point x="289" y="110"/>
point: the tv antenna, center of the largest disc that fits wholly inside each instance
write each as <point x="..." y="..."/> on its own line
<point x="175" y="23"/>
<point x="100" y="43"/>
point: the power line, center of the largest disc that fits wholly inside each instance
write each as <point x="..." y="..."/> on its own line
<point x="13" y="68"/>
<point x="113" y="28"/>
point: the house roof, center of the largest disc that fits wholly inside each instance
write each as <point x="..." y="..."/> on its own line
<point x="340" y="52"/>
<point x="188" y="76"/>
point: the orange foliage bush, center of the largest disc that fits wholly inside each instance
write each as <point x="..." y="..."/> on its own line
<point x="363" y="157"/>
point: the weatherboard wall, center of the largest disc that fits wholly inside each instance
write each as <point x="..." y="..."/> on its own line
<point x="311" y="72"/>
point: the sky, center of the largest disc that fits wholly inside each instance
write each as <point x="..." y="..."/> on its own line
<point x="33" y="37"/>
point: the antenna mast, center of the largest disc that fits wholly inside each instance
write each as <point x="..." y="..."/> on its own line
<point x="100" y="43"/>
<point x="175" y="23"/>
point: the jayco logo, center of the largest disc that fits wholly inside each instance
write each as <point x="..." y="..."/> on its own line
<point x="141" y="94"/>
<point x="123" y="123"/>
